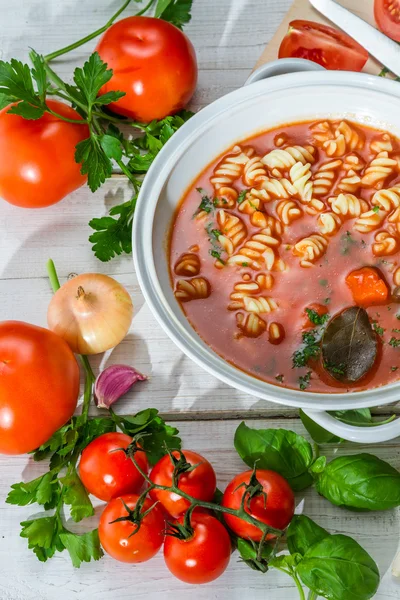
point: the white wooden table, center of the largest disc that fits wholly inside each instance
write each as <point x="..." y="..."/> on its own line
<point x="229" y="36"/>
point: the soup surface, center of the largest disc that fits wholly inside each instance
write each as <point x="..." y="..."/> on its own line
<point x="285" y="256"/>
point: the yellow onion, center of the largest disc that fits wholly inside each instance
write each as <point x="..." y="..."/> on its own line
<point x="91" y="312"/>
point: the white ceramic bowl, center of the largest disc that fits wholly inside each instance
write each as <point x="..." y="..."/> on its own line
<point x="265" y="104"/>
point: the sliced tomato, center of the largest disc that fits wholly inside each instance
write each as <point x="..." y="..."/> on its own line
<point x="324" y="45"/>
<point x="387" y="17"/>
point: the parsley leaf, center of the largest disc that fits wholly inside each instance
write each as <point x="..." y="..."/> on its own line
<point x="113" y="236"/>
<point x="91" y="78"/>
<point x="42" y="536"/>
<point x="95" y="163"/>
<point x="76" y="496"/>
<point x="82" y="548"/>
<point x="16" y="85"/>
<point x="315" y="318"/>
<point x="176" y="12"/>
<point x="394" y="342"/>
<point x="42" y="490"/>
<point x="304" y="381"/>
<point x="241" y="196"/>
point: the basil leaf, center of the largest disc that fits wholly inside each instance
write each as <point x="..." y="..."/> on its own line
<point x="338" y="568"/>
<point x="318" y="433"/>
<point x="362" y="482"/>
<point x="349" y="345"/>
<point x="303" y="533"/>
<point x="280" y="450"/>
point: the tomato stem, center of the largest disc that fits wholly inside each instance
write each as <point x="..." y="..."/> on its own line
<point x="241" y="513"/>
<point x="94" y="34"/>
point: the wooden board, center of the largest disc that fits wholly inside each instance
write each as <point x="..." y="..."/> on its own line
<point x="302" y="9"/>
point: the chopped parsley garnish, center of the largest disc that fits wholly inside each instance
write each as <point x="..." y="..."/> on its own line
<point x="207" y="204"/>
<point x="217" y="255"/>
<point x="346" y="243"/>
<point x="363" y="244"/>
<point x="245" y="264"/>
<point x="323" y="282"/>
<point x="279" y="378"/>
<point x="338" y="369"/>
<point x="315" y="318"/>
<point x="311" y="340"/>
<point x="394" y="369"/>
<point x="376" y="209"/>
<point x="378" y="329"/>
<point x="213" y="233"/>
<point x="241" y="196"/>
<point x="396" y="330"/>
<point x="394" y="342"/>
<point x="304" y="381"/>
<point x="389" y="308"/>
<point x="327" y="300"/>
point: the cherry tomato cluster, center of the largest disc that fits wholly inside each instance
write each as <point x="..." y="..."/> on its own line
<point x="172" y="506"/>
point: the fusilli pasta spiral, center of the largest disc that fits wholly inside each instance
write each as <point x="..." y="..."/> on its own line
<point x="329" y="223"/>
<point x="288" y="211"/>
<point x="251" y="325"/>
<point x="285" y="158"/>
<point x="259" y="305"/>
<point x="233" y="231"/>
<point x="192" y="289"/>
<point x="187" y="265"/>
<point x="322" y="132"/>
<point x="370" y="220"/>
<point x="387" y="199"/>
<point x="324" y="178"/>
<point x="310" y="249"/>
<point x="254" y="171"/>
<point x="257" y="253"/>
<point x="378" y="171"/>
<point x="300" y="176"/>
<point x="394" y="220"/>
<point x="240" y="290"/>
<point x="382" y="144"/>
<point x="277" y="188"/>
<point x="348" y="206"/>
<point x="276" y="333"/>
<point x="385" y="244"/>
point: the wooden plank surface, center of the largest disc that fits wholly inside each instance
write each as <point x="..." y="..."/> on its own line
<point x="229" y="37"/>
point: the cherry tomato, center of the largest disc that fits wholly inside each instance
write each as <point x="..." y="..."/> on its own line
<point x="387" y="17"/>
<point x="203" y="557"/>
<point x="275" y="508"/>
<point x="200" y="483"/>
<point x="153" y="62"/>
<point x="117" y="539"/>
<point x="324" y="45"/>
<point x="107" y="472"/>
<point x="39" y="386"/>
<point x="37" y="166"/>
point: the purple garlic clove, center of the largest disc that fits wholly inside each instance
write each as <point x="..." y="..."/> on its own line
<point x="114" y="382"/>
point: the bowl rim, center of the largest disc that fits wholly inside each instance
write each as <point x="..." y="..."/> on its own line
<point x="144" y="263"/>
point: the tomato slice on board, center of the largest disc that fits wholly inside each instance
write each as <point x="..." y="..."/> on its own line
<point x="387" y="17"/>
<point x="324" y="45"/>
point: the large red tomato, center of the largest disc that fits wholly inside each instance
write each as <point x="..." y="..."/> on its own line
<point x="275" y="506"/>
<point x="324" y="45"/>
<point x="203" y="557"/>
<point x="153" y="62"/>
<point x="387" y="17"/>
<point x="39" y="386"/>
<point x="200" y="483"/>
<point x="122" y="539"/>
<point x="106" y="472"/>
<point x="37" y="166"/>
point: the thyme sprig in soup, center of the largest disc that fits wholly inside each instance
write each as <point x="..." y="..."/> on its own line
<point x="285" y="256"/>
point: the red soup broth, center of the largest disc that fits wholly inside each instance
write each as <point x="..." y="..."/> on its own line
<point x="297" y="287"/>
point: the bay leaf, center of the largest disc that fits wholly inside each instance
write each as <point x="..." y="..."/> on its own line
<point x="349" y="345"/>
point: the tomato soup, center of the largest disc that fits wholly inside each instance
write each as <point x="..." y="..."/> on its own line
<point x="281" y="235"/>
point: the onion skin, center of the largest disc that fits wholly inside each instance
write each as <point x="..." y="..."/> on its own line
<point x="91" y="312"/>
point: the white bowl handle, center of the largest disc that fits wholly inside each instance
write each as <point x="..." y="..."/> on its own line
<point x="361" y="435"/>
<point x="283" y="66"/>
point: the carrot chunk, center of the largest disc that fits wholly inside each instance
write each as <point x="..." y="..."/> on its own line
<point x="367" y="286"/>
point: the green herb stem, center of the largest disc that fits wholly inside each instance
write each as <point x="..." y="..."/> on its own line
<point x="312" y="595"/>
<point x="299" y="586"/>
<point x="91" y="36"/>
<point x="62" y="118"/>
<point x="129" y="175"/>
<point x="53" y="277"/>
